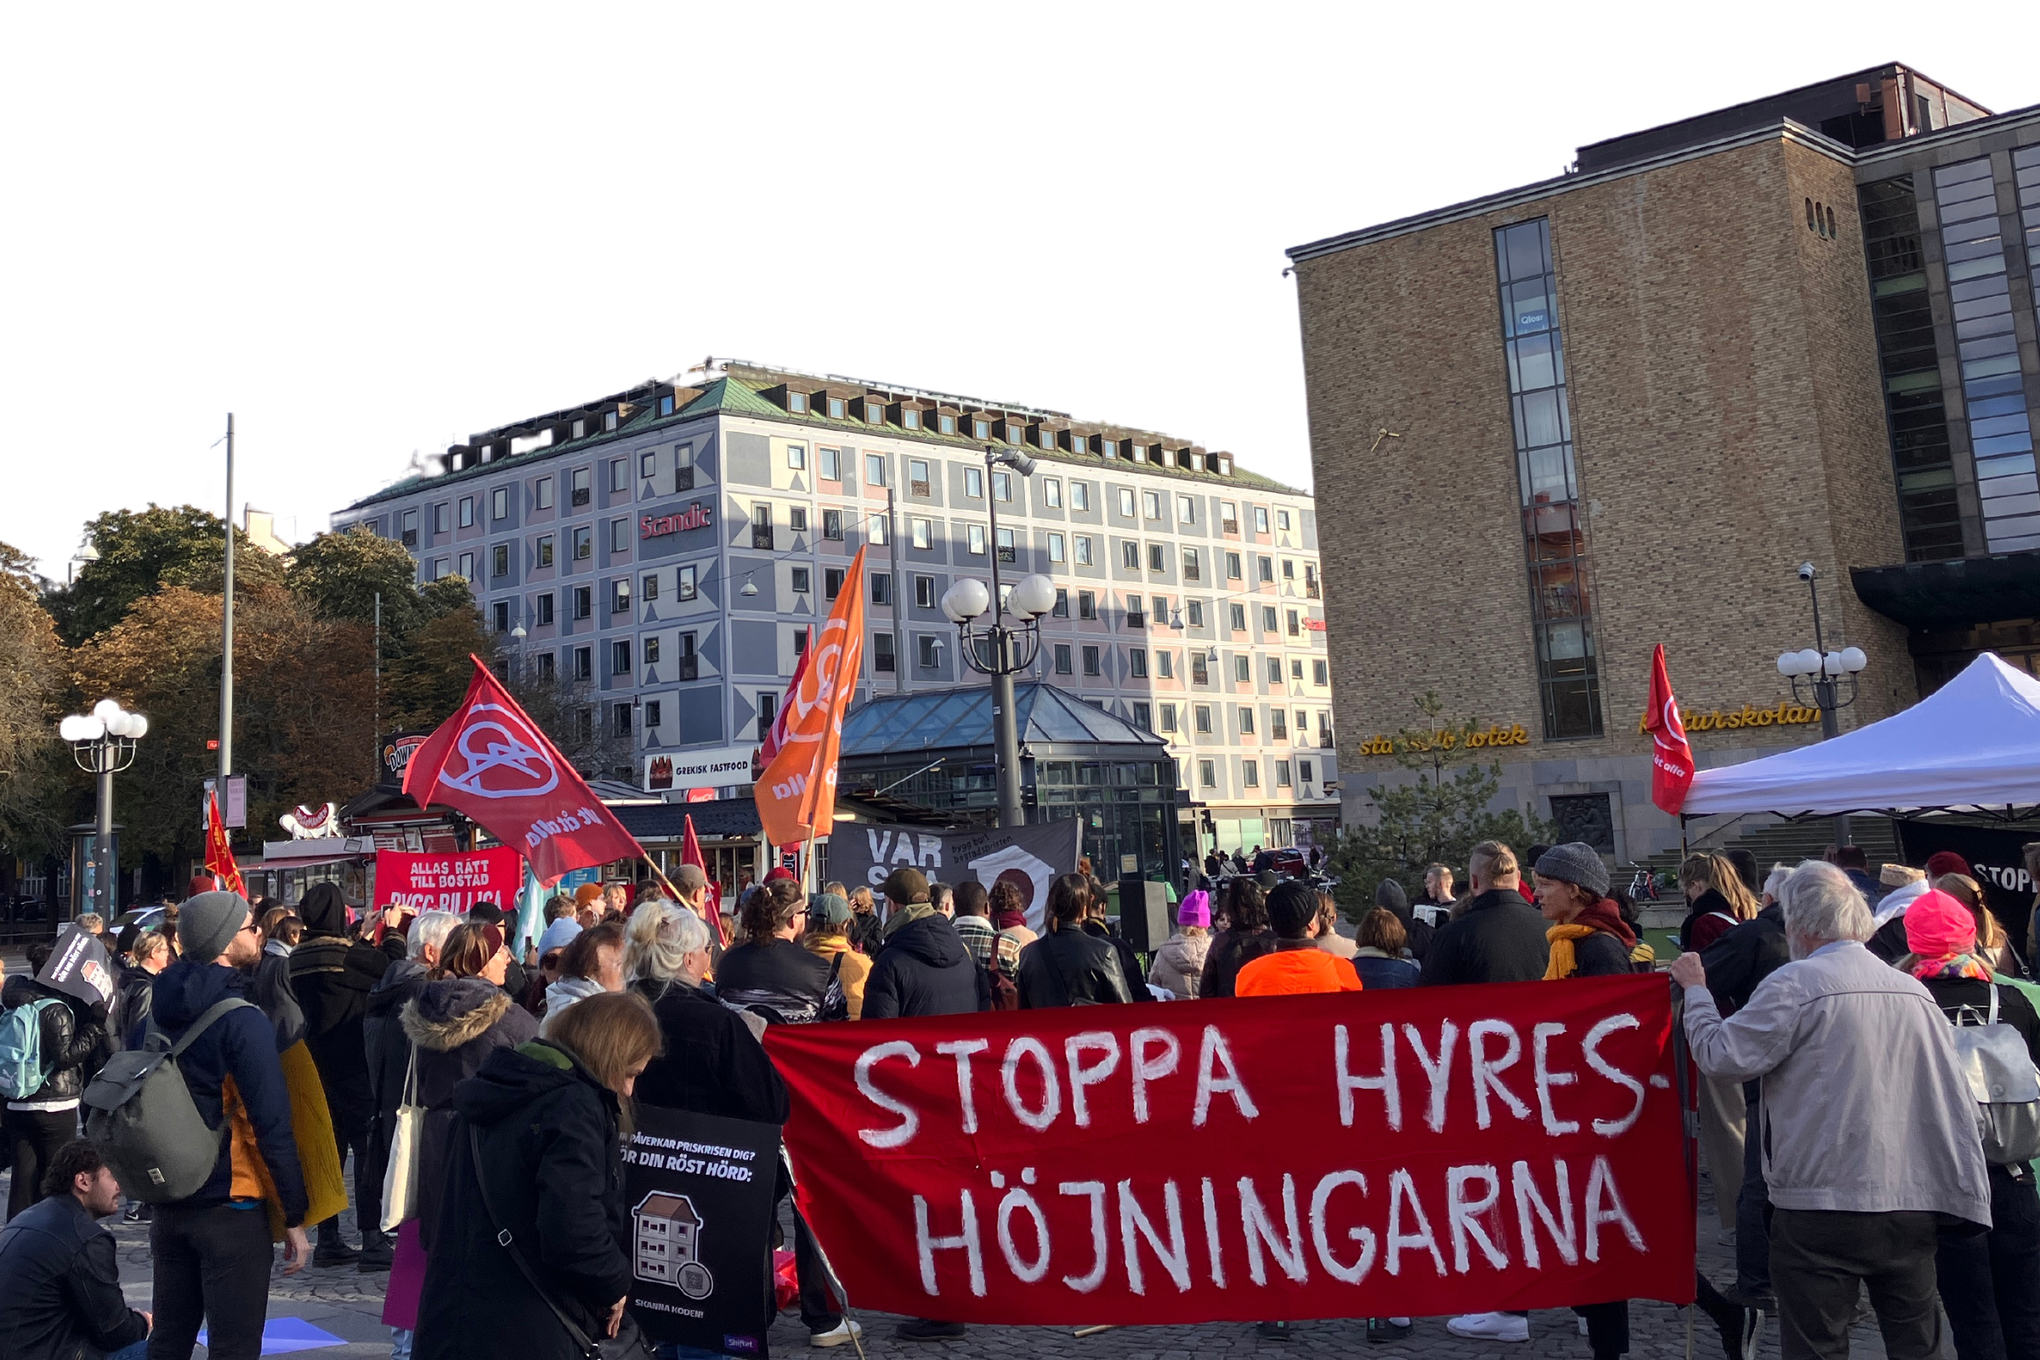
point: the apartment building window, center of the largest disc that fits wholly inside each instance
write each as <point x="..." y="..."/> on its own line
<point x="683" y="467"/>
<point x="1232" y="567"/>
<point x="1062" y="604"/>
<point x="685" y="585"/>
<point x="1246" y="722"/>
<point x="832" y="582"/>
<point x="1320" y="673"/>
<point x="974" y="483"/>
<point x="761" y="527"/>
<point x="921" y="533"/>
<point x="883" y="659"/>
<point x="1261" y="520"/>
<point x="1200" y="667"/>
<point x="1161" y="610"/>
<point x="1274" y="670"/>
<point x="874" y="469"/>
<point x="648" y="464"/>
<point x="442" y="518"/>
<point x="1324" y="727"/>
<point x="502" y="616"/>
<point x="542" y="551"/>
<point x="619" y="597"/>
<point x="584" y="719"/>
<point x="1289" y="569"/>
<point x="836" y="407"/>
<point x="1265" y="569"/>
<point x="800" y="642"/>
<point x="584" y="543"/>
<point x="467" y="566"/>
<point x="796" y="519"/>
<point x="1087" y="605"/>
<point x="1190" y="569"/>
<point x="1296" y="671"/>
<point x="499" y="560"/>
<point x="584" y="663"/>
<point x="1151" y="504"/>
<point x="1203" y="719"/>
<point x="1303" y="770"/>
<point x="619" y="474"/>
<point x="831" y="463"/>
<point x="542" y="493"/>
<point x="1237" y="617"/>
<point x="768" y="710"/>
<point x="924" y="592"/>
<point x="545" y="609"/>
<point x="910" y="417"/>
<point x="1302" y="726"/>
<point x="619" y="535"/>
<point x="796" y="457"/>
<point x="1268" y="624"/>
<point x="800" y="578"/>
<point x="1295" y="624"/>
<point x="1055" y="548"/>
<point x="1062" y="658"/>
<point x="1207" y="774"/>
<point x="1282" y="774"/>
<point x="1243" y="669"/>
<point x="407" y="528"/>
<point x="546" y="667"/>
<point x="981" y="430"/>
<point x="1006" y="553"/>
<point x="652" y="650"/>
<point x="1229" y="516"/>
<point x="975" y="536"/>
<point x="499" y="503"/>
<point x="1090" y="660"/>
<point x="1194" y="612"/>
<point x="1158" y="557"/>
<point x="619" y="657"/>
<point x="881" y="587"/>
<point x="1165" y="664"/>
<point x="1282" y="521"/>
<point x="581" y="482"/>
<point x="1136" y="662"/>
<point x="1126" y="502"/>
<point x="1310" y="581"/>
<point x="690" y="660"/>
<point x="652" y="712"/>
<point x="1134" y="617"/>
<point x="945" y="424"/>
<point x="1554" y="532"/>
<point x="1080" y="496"/>
<point x="1051" y="493"/>
<point x="651" y="587"/>
<point x="584" y="601"/>
<point x="930" y="648"/>
<point x="1167" y="713"/>
<point x="832" y="525"/>
<point x="1002" y="486"/>
<point x="917" y="477"/>
<point x="1250" y="773"/>
<point x="467" y="512"/>
<point x="1084" y="555"/>
<point x="1129" y="554"/>
<point x="441" y="569"/>
<point x="1143" y="717"/>
<point x="1278" y="724"/>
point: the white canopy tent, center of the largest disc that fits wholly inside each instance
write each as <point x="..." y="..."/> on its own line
<point x="1973" y="743"/>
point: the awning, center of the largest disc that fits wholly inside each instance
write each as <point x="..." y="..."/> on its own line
<point x="1935" y="597"/>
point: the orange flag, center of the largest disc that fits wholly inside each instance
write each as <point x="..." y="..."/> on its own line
<point x="797" y="792"/>
<point x="219" y="852"/>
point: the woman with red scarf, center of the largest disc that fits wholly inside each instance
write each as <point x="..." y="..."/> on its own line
<point x="1588" y="936"/>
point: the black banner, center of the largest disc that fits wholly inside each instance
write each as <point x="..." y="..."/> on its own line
<point x="79" y="966"/>
<point x="1029" y="857"/>
<point x="701" y="1196"/>
<point x="1997" y="861"/>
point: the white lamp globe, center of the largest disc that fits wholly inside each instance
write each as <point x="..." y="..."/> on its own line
<point x="1788" y="663"/>
<point x="1034" y="595"/>
<point x="105" y="710"/>
<point x="72" y="728"/>
<point x="117" y="725"/>
<point x="1832" y="663"/>
<point x="1853" y="659"/>
<point x="138" y="726"/>
<point x="965" y="600"/>
<point x="1810" y="662"/>
<point x="88" y="728"/>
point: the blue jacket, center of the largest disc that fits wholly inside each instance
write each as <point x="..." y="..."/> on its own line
<point x="242" y="1045"/>
<point x="60" y="1286"/>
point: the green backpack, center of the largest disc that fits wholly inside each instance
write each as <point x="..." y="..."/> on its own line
<point x="141" y="1114"/>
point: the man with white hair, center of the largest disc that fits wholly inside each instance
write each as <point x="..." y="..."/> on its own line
<point x="1869" y="1125"/>
<point x="389" y="1058"/>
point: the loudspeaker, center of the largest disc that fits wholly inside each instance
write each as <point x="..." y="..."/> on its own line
<point x="1143" y="914"/>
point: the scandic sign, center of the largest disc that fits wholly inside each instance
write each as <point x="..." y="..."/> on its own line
<point x="1416" y="1152"/>
<point x="695" y="516"/>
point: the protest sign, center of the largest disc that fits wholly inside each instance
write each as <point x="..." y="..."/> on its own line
<point x="701" y="1191"/>
<point x="1997" y="861"/>
<point x="1029" y="857"/>
<point x="448" y="882"/>
<point x="79" y="966"/>
<point x="1429" y="1151"/>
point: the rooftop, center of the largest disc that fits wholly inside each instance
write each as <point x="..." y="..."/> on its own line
<point x="1054" y="724"/>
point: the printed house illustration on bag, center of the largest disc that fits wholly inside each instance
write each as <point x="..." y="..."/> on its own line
<point x="667" y="1232"/>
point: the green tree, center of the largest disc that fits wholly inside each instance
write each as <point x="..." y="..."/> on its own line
<point x="426" y="671"/>
<point x="35" y="770"/>
<point x="143" y="551"/>
<point x="1437" y="818"/>
<point x="340" y="576"/>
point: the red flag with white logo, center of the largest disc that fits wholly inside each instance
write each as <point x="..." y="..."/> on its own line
<point x="491" y="762"/>
<point x="776" y="736"/>
<point x="1671" y="760"/>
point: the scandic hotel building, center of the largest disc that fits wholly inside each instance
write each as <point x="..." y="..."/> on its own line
<point x="1555" y="426"/>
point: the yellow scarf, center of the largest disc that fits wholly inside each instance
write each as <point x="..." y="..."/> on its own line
<point x="1563" y="964"/>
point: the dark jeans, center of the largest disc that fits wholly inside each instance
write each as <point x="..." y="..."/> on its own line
<point x="1990" y="1282"/>
<point x="1822" y="1260"/>
<point x="1607" y="1328"/>
<point x="34" y="1136"/>
<point x="369" y="1171"/>
<point x="816" y="1314"/>
<point x="1753" y="1206"/>
<point x="212" y="1268"/>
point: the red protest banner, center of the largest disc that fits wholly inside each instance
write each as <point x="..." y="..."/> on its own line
<point x="1413" y="1152"/>
<point x="448" y="882"/>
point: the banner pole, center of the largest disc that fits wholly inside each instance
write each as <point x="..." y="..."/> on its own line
<point x="835" y="1281"/>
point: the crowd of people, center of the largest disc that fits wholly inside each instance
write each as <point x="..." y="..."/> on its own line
<point x="1840" y="1133"/>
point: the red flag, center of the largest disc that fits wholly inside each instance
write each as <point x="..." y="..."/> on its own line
<point x="776" y="736"/>
<point x="491" y="762"/>
<point x="690" y="853"/>
<point x="219" y="852"/>
<point x="797" y="792"/>
<point x="1671" y="761"/>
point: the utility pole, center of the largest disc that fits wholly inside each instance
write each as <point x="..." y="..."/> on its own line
<point x="227" y="630"/>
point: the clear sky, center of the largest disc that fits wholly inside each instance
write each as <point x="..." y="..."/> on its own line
<point x="370" y="229"/>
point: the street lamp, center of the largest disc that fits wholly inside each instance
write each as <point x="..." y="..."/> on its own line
<point x="102" y="742"/>
<point x="1823" y="672"/>
<point x="998" y="649"/>
<point x="517" y="636"/>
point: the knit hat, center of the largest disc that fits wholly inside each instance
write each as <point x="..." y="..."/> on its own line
<point x="1898" y="875"/>
<point x="905" y="886"/>
<point x="828" y="909"/>
<point x="779" y="872"/>
<point x="1948" y="862"/>
<point x="587" y="893"/>
<point x="207" y="924"/>
<point x="1575" y="862"/>
<point x="558" y="935"/>
<point x="1390" y="896"/>
<point x="1936" y="925"/>
<point x="1195" y="910"/>
<point x="1291" y="909"/>
<point x="323" y="910"/>
<point x="486" y="913"/>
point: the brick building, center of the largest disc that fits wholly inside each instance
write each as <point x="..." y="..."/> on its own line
<point x="661" y="553"/>
<point x="1557" y="425"/>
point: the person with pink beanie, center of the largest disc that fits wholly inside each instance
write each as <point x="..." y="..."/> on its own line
<point x="1179" y="963"/>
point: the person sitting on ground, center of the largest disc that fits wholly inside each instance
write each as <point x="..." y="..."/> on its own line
<point x="1329" y="938"/>
<point x="591" y="965"/>
<point x="1179" y="964"/>
<point x="1588" y="936"/>
<point x="767" y="973"/>
<point x="1382" y="958"/>
<point x="981" y="939"/>
<point x="922" y="967"/>
<point x="1296" y="964"/>
<point x="1852" y="1054"/>
<point x="1717" y="900"/>
<point x="60" y="1294"/>
<point x="1067" y="967"/>
<point x="1009" y="913"/>
<point x="1496" y="937"/>
<point x="1247" y="937"/>
<point x="828" y="936"/>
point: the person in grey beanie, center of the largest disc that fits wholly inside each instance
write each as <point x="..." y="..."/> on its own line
<point x="1390" y="897"/>
<point x="1588" y="936"/>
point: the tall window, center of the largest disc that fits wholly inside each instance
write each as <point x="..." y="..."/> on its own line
<point x="1554" y="531"/>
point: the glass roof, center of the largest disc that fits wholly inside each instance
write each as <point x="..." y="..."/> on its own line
<point x="950" y="719"/>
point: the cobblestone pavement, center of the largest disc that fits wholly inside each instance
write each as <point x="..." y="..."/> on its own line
<point x="348" y="1305"/>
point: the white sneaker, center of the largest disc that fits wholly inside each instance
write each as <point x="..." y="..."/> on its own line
<point x="1583" y="1327"/>
<point x="836" y="1335"/>
<point x="1490" y="1326"/>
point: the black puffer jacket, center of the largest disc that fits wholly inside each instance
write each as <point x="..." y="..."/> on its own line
<point x="60" y="1293"/>
<point x="551" y="1155"/>
<point x="1068" y="967"/>
<point x="456" y="1023"/>
<point x="71" y="1035"/>
<point x="1231" y="950"/>
<point x="388" y="1048"/>
<point x="923" y="969"/>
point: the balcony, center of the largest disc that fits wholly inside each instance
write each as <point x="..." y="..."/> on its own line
<point x="690" y="666"/>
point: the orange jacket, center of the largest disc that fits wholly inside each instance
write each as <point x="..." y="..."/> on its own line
<point x="1287" y="972"/>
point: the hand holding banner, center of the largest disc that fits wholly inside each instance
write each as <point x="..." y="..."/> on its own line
<point x="1424" y="1152"/>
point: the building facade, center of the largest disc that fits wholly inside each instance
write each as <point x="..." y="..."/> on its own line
<point x="665" y="551"/>
<point x="1558" y="425"/>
